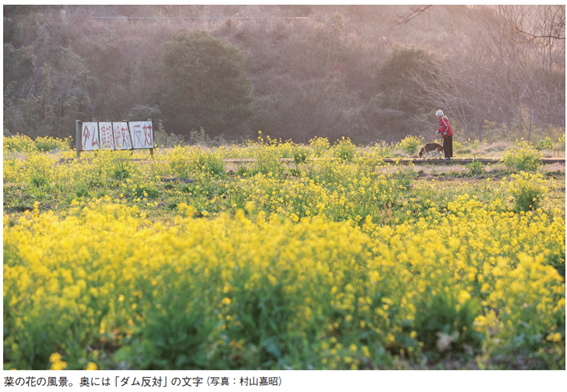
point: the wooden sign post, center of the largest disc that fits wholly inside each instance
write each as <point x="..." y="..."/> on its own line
<point x="78" y="125"/>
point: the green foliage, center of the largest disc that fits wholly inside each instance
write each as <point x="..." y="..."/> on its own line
<point x="524" y="159"/>
<point x="12" y="168"/>
<point x="344" y="149"/>
<point x="23" y="143"/>
<point x="204" y="85"/>
<point x="561" y="142"/>
<point x="319" y="145"/>
<point x="522" y="143"/>
<point x="172" y="339"/>
<point x="82" y="189"/>
<point x="557" y="261"/>
<point x="209" y="163"/>
<point x="267" y="162"/>
<point x="475" y="168"/>
<point x="122" y="168"/>
<point x="19" y="143"/>
<point x="545" y="144"/>
<point x="472" y="143"/>
<point x="53" y="144"/>
<point x="300" y="155"/>
<point x="382" y="149"/>
<point x="403" y="176"/>
<point x="458" y="146"/>
<point x="146" y="191"/>
<point x="527" y="190"/>
<point x="108" y="167"/>
<point x="179" y="163"/>
<point x="443" y="323"/>
<point x="372" y="158"/>
<point x="410" y="144"/>
<point x="272" y="316"/>
<point x="184" y="161"/>
<point x="39" y="169"/>
<point x="242" y="171"/>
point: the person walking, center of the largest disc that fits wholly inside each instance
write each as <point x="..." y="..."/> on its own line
<point x="447" y="133"/>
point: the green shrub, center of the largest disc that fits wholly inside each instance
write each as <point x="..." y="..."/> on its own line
<point x="473" y="143"/>
<point x="53" y="144"/>
<point x="300" y="155"/>
<point x="39" y="169"/>
<point x="561" y="142"/>
<point x="82" y="189"/>
<point x="344" y="149"/>
<point x="186" y="160"/>
<point x="523" y="159"/>
<point x="545" y="144"/>
<point x="242" y="171"/>
<point x="145" y="191"/>
<point x="209" y="162"/>
<point x="320" y="145"/>
<point x="410" y="144"/>
<point x="475" y="168"/>
<point x="557" y="261"/>
<point x="23" y="143"/>
<point x="19" y="143"/>
<point x="122" y="169"/>
<point x="523" y="143"/>
<point x="179" y="162"/>
<point x="295" y="172"/>
<point x="172" y="339"/>
<point x="382" y="149"/>
<point x="527" y="191"/>
<point x="445" y="323"/>
<point x="458" y="146"/>
<point x="403" y="177"/>
<point x="372" y="159"/>
<point x="267" y="161"/>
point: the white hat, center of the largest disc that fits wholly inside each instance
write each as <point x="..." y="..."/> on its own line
<point x="439" y="113"/>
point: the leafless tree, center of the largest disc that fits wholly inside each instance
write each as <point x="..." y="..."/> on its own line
<point x="494" y="75"/>
<point x="535" y="22"/>
<point x="414" y="12"/>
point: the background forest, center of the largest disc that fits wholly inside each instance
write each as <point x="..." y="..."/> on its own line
<point x="294" y="72"/>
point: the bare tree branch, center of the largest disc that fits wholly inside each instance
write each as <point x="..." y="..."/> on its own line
<point x="535" y="22"/>
<point x="414" y="12"/>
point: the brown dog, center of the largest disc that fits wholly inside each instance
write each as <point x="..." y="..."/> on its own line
<point x="429" y="148"/>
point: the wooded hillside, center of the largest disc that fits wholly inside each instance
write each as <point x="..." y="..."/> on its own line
<point x="293" y="72"/>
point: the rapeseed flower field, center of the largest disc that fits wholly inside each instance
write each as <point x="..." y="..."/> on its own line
<point x="338" y="262"/>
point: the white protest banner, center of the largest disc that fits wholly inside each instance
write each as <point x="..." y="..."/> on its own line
<point x="121" y="136"/>
<point x="106" y="137"/>
<point x="89" y="136"/>
<point x="142" y="134"/>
